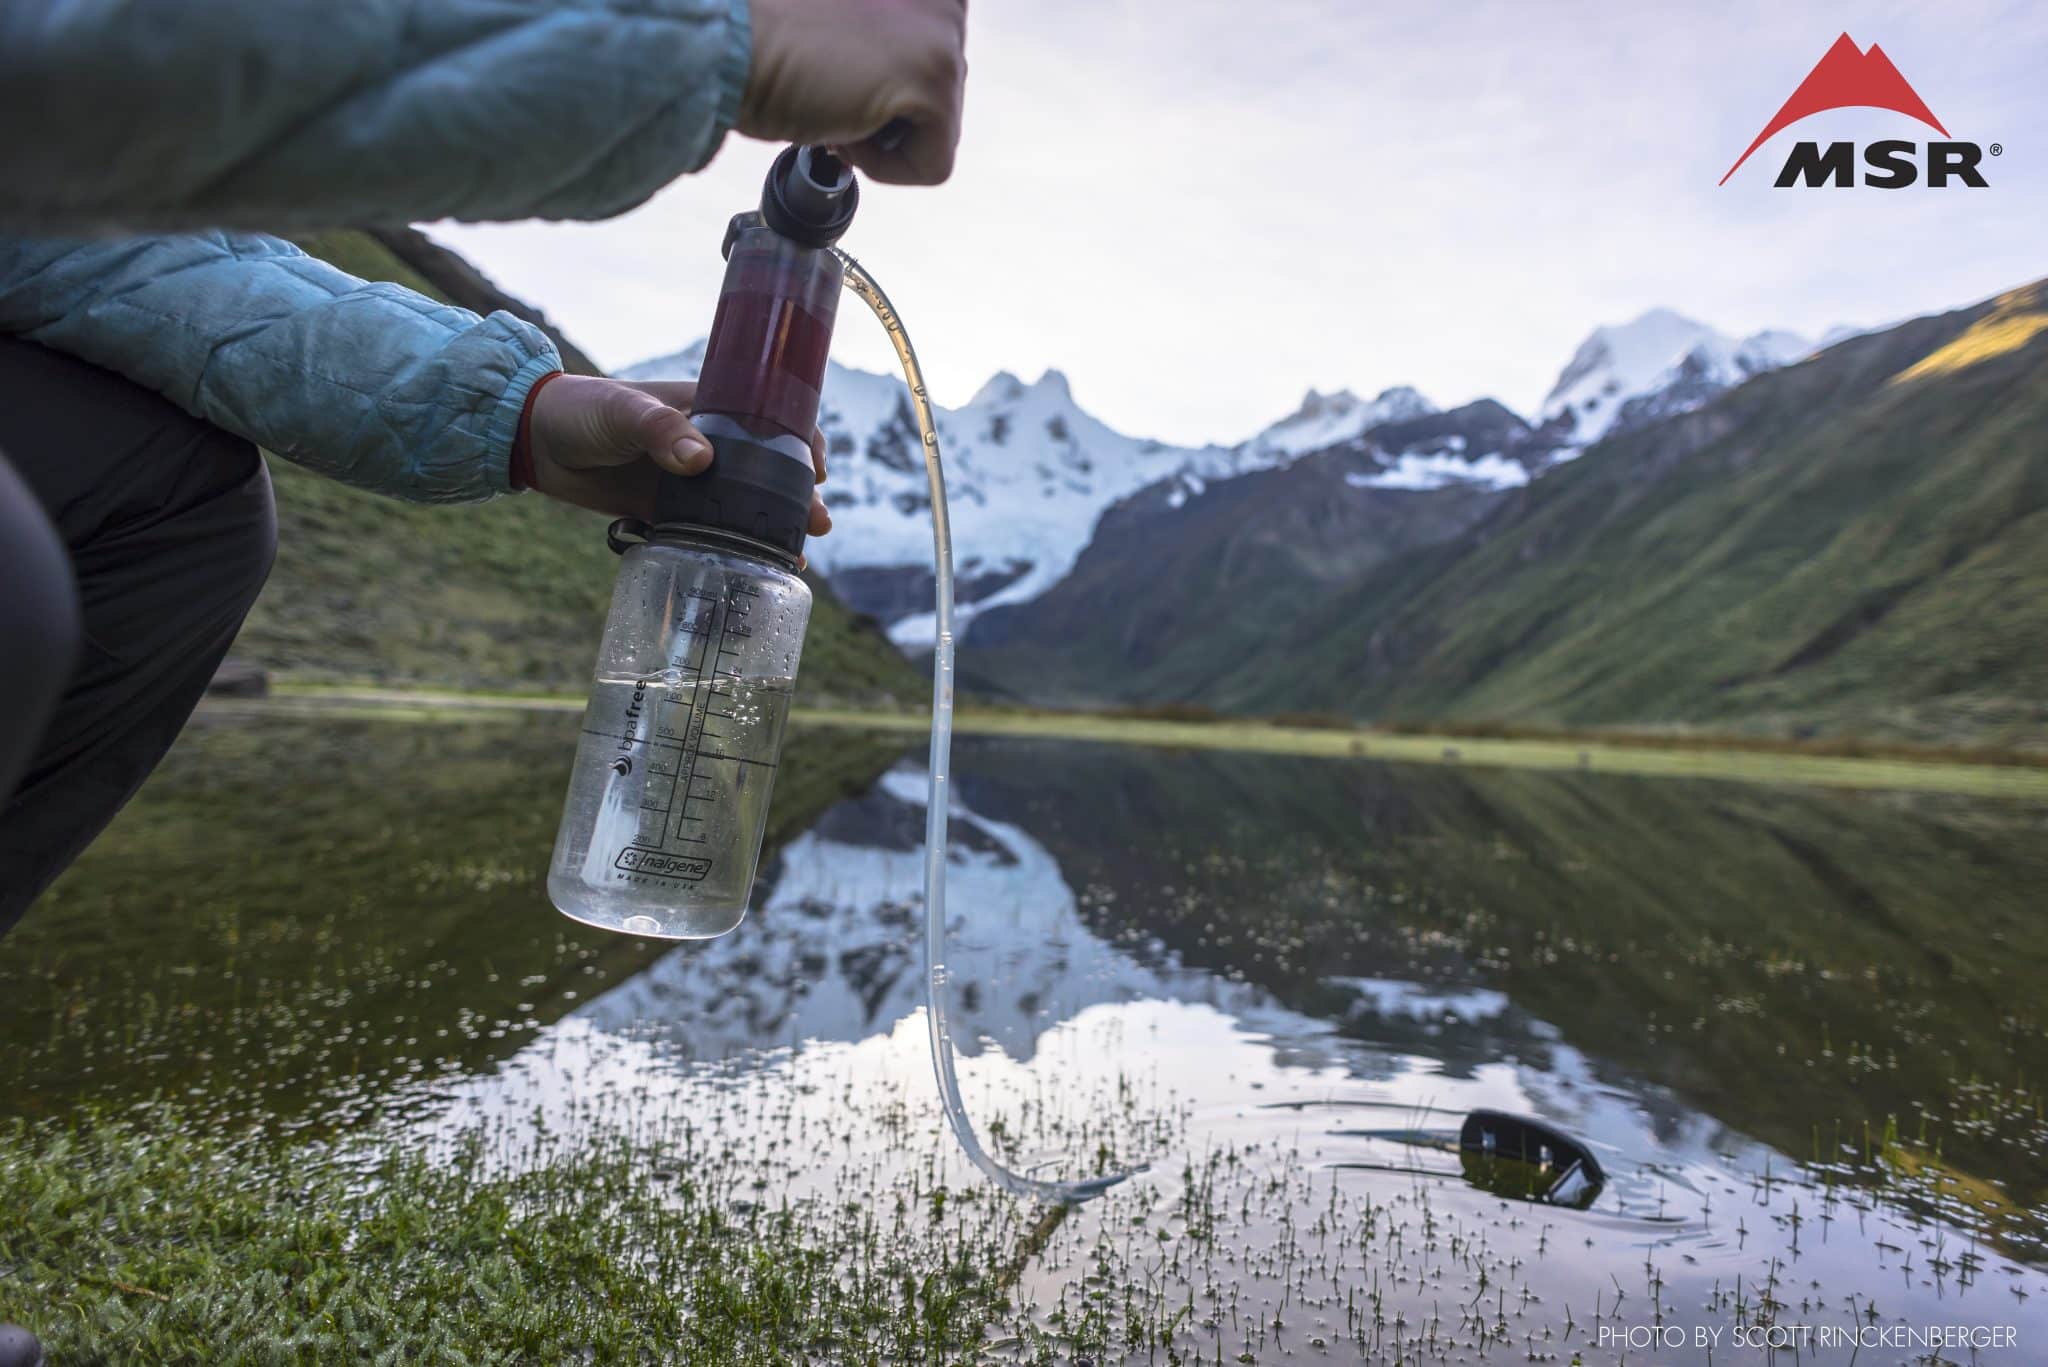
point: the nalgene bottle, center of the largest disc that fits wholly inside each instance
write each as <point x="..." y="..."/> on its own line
<point x="669" y="797"/>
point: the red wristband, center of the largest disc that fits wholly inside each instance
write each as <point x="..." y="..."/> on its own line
<point x="520" y="471"/>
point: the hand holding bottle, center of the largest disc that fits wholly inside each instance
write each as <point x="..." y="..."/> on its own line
<point x="601" y="444"/>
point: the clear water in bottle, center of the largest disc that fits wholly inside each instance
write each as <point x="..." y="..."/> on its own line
<point x="669" y="798"/>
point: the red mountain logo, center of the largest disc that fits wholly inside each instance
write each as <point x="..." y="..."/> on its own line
<point x="1849" y="78"/>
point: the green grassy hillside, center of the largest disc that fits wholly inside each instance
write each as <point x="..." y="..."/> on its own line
<point x="1855" y="544"/>
<point x="510" y="594"/>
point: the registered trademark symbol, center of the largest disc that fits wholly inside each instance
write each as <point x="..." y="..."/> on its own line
<point x="1997" y="149"/>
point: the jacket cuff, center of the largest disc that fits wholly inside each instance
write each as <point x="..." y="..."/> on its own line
<point x="737" y="65"/>
<point x="501" y="431"/>
<point x="521" y="471"/>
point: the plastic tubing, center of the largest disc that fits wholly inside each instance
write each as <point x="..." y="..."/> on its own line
<point x="863" y="284"/>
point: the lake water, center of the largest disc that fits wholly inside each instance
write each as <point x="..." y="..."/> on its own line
<point x="1801" y="1030"/>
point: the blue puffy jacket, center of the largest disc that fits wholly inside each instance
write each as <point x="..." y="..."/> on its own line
<point x="127" y="114"/>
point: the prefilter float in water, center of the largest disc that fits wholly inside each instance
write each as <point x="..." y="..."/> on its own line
<point x="661" y="832"/>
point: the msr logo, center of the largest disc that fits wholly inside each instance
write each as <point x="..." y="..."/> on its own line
<point x="1849" y="78"/>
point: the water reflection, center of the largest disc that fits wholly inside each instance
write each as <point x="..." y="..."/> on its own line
<point x="832" y="955"/>
<point x="834" y="950"/>
<point x="1353" y="923"/>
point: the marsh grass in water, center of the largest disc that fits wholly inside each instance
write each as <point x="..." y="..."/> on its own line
<point x="147" y="1237"/>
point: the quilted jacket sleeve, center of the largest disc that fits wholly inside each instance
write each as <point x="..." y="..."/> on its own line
<point x="371" y="384"/>
<point x="152" y="114"/>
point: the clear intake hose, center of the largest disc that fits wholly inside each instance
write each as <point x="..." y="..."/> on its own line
<point x="863" y="284"/>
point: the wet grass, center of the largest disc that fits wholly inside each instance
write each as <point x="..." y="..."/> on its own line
<point x="149" y="1238"/>
<point x="1700" y="738"/>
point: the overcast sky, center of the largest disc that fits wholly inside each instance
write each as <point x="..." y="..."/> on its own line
<point x="1200" y="208"/>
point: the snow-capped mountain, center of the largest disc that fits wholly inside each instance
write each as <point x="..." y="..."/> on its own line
<point x="1400" y="439"/>
<point x="1029" y="472"/>
<point x="1325" y="420"/>
<point x="1181" y="579"/>
<point x="1626" y="374"/>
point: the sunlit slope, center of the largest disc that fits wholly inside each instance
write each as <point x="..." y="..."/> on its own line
<point x="509" y="594"/>
<point x="1854" y="543"/>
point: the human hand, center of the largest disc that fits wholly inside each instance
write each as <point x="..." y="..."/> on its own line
<point x="604" y="444"/>
<point x="838" y="71"/>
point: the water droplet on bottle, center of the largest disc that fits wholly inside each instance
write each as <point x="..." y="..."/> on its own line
<point x="641" y="925"/>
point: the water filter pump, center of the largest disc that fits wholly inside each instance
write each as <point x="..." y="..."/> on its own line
<point x="662" y="828"/>
<point x="700" y="651"/>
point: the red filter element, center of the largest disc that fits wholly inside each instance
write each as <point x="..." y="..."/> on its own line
<point x="765" y="360"/>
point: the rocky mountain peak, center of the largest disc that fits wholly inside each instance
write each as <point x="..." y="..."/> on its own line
<point x="1658" y="363"/>
<point x="1316" y="404"/>
<point x="1402" y="403"/>
<point x="1000" y="388"/>
<point x="1053" y="385"/>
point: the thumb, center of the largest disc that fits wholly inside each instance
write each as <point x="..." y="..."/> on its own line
<point x="637" y="423"/>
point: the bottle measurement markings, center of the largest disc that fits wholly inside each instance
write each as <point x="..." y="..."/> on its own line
<point x="703" y="684"/>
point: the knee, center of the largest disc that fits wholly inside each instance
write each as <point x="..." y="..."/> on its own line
<point x="40" y="628"/>
<point x="242" y="516"/>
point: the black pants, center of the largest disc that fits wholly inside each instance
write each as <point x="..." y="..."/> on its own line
<point x="133" y="539"/>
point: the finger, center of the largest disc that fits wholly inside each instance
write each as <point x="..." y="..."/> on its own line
<point x="664" y="434"/>
<point x="687" y="451"/>
<point x="818" y="454"/>
<point x="920" y="143"/>
<point x="821" y="516"/>
<point x="689" y="454"/>
<point x="675" y="393"/>
<point x="925" y="157"/>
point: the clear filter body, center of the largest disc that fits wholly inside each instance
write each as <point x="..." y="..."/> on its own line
<point x="668" y="800"/>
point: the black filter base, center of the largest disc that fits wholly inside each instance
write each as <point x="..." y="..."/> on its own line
<point x="750" y="490"/>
